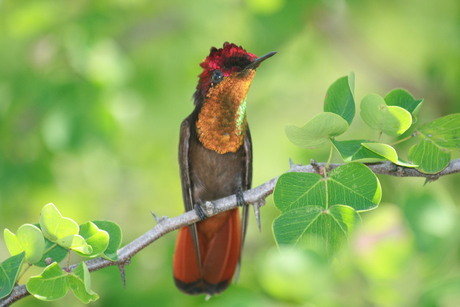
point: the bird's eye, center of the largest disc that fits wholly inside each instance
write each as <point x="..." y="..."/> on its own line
<point x="217" y="76"/>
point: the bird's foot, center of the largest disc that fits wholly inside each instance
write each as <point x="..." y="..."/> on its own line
<point x="240" y="202"/>
<point x="205" y="210"/>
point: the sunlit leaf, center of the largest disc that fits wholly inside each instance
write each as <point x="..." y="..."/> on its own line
<point x="390" y="120"/>
<point x="339" y="98"/>
<point x="80" y="283"/>
<point x="115" y="238"/>
<point x="54" y="226"/>
<point x="317" y="131"/>
<point x="76" y="243"/>
<point x="50" y="285"/>
<point x="29" y="239"/>
<point x="429" y="158"/>
<point x="98" y="239"/>
<point x="9" y="272"/>
<point x="353" y="150"/>
<point x="12" y="242"/>
<point x="388" y="152"/>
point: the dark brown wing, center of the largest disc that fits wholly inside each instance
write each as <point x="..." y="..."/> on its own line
<point x="246" y="182"/>
<point x="184" y="146"/>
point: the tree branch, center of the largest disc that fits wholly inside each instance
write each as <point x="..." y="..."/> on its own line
<point x="255" y="195"/>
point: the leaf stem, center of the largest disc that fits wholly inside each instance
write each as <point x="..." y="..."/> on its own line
<point x="329" y="159"/>
<point x="50" y="248"/>
<point x="68" y="261"/>
<point x="23" y="272"/>
<point x="404" y="139"/>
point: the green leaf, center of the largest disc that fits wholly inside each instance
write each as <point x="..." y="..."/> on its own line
<point x="391" y="120"/>
<point x="368" y="151"/>
<point x="430" y="158"/>
<point x="317" y="131"/>
<point x="50" y="285"/>
<point x="12" y="242"/>
<point x="9" y="272"/>
<point x="29" y="239"/>
<point x="353" y="150"/>
<point x="444" y="131"/>
<point x="388" y="152"/>
<point x="115" y="238"/>
<point x="98" y="239"/>
<point x="402" y="98"/>
<point x="54" y="226"/>
<point x="339" y="98"/>
<point x="353" y="185"/>
<point x="80" y="283"/>
<point x="296" y="190"/>
<point x="76" y="243"/>
<point x="54" y="253"/>
<point x="314" y="225"/>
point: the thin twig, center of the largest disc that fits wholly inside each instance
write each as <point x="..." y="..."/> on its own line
<point x="255" y="195"/>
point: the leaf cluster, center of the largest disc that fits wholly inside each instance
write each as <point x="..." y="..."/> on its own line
<point x="321" y="209"/>
<point x="47" y="244"/>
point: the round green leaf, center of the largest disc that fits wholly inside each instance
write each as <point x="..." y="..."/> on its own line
<point x="98" y="239"/>
<point x="9" y="272"/>
<point x="317" y="131"/>
<point x="80" y="283"/>
<point x="76" y="243"/>
<point x="54" y="226"/>
<point x="390" y="120"/>
<point x="294" y="190"/>
<point x="12" y="242"/>
<point x="444" y="131"/>
<point x="353" y="185"/>
<point x="50" y="285"/>
<point x="29" y="239"/>
<point x="115" y="238"/>
<point x="429" y="158"/>
<point x="32" y="241"/>
<point x="339" y="98"/>
<point x="402" y="98"/>
<point x="315" y="226"/>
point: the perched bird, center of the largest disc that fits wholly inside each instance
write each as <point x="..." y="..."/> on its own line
<point x="215" y="157"/>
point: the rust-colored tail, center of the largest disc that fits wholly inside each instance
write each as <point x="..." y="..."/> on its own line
<point x="219" y="240"/>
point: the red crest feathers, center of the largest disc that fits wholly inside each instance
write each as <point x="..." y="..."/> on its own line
<point x="228" y="59"/>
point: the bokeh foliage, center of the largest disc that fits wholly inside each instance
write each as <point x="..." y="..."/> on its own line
<point x="92" y="94"/>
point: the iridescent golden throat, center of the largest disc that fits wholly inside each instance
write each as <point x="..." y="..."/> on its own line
<point x="221" y="123"/>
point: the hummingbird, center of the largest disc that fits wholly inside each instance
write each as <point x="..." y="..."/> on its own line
<point x="215" y="158"/>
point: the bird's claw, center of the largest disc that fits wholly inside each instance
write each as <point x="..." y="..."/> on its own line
<point x="240" y="202"/>
<point x="202" y="213"/>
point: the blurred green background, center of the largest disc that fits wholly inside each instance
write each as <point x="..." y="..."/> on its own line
<point x="92" y="94"/>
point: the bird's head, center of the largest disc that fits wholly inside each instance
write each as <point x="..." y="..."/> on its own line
<point x="227" y="69"/>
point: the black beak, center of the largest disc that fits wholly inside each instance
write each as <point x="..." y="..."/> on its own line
<point x="259" y="60"/>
